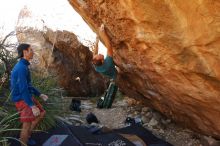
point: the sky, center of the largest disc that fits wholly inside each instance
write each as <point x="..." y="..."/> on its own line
<point x="57" y="15"/>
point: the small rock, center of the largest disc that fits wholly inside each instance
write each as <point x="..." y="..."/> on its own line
<point x="165" y="122"/>
<point x="149" y="115"/>
<point x="86" y="107"/>
<point x="131" y="109"/>
<point x="135" y="113"/>
<point x="157" y="116"/>
<point x="63" y="119"/>
<point x="145" y="109"/>
<point x="131" y="101"/>
<point x="145" y="119"/>
<point x="77" y="124"/>
<point x="76" y="116"/>
<point x="189" y="143"/>
<point x="142" y="113"/>
<point x="145" y="125"/>
<point x="122" y="103"/>
<point x="209" y="141"/>
<point x="153" y="122"/>
<point x="75" y="119"/>
<point x="130" y="115"/>
<point x="139" y="109"/>
<point x="161" y="131"/>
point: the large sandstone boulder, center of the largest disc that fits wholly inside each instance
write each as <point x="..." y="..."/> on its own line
<point x="168" y="53"/>
<point x="60" y="53"/>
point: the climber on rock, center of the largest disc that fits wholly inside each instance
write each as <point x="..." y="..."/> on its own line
<point x="106" y="67"/>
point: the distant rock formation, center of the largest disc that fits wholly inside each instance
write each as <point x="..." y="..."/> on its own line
<point x="61" y="53"/>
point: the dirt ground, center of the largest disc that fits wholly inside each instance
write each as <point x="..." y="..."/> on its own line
<point x="159" y="125"/>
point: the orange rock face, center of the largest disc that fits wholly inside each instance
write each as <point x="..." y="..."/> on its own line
<point x="168" y="53"/>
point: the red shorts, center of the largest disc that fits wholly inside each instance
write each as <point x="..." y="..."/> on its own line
<point x="26" y="114"/>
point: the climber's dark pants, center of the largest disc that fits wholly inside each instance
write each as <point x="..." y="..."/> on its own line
<point x="109" y="96"/>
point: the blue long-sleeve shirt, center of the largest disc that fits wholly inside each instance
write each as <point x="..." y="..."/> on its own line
<point x="21" y="87"/>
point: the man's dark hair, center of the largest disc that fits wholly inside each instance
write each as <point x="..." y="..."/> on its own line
<point x="20" y="49"/>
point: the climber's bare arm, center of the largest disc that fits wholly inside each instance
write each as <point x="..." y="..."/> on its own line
<point x="96" y="47"/>
<point x="103" y="35"/>
<point x="109" y="51"/>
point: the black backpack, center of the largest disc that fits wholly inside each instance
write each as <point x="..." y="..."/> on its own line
<point x="75" y="105"/>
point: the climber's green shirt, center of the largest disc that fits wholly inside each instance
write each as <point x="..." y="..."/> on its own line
<point x="107" y="68"/>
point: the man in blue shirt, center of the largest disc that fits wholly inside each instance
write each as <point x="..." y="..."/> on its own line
<point x="22" y="91"/>
<point x="106" y="67"/>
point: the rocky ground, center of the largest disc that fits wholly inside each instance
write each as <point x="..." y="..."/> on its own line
<point x="160" y="126"/>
